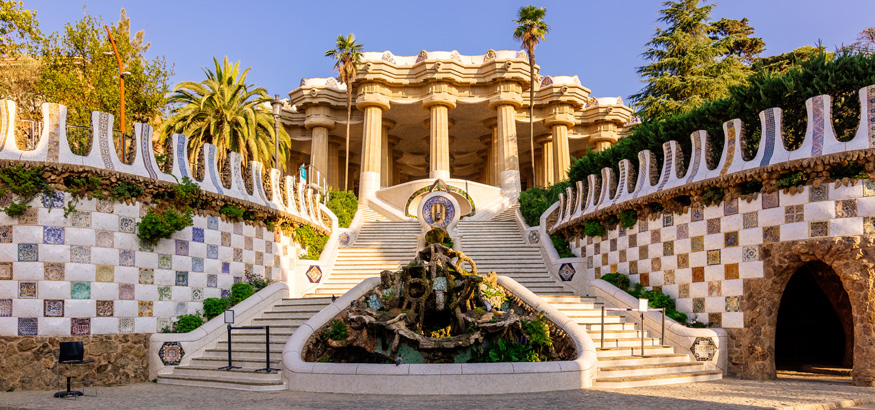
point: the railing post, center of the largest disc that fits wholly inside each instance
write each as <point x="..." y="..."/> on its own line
<point x="662" y="334"/>
<point x="603" y="327"/>
<point x="642" y="333"/>
<point x="229" y="366"/>
<point x="267" y="368"/>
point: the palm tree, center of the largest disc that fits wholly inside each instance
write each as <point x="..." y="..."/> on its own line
<point x="225" y="111"/>
<point x="347" y="56"/>
<point x="530" y="31"/>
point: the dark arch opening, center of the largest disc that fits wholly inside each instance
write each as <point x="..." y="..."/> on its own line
<point x="815" y="325"/>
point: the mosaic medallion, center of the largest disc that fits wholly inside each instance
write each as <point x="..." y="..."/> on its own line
<point x="703" y="349"/>
<point x="438" y="212"/>
<point x="171" y="353"/>
<point x="344" y="239"/>
<point x="566" y="272"/>
<point x="314" y="274"/>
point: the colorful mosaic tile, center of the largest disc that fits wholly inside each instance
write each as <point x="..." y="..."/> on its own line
<point x="713" y="225"/>
<point x="794" y="213"/>
<point x="730" y="271"/>
<point x="5" y="307"/>
<point x="732" y="303"/>
<point x="212" y="280"/>
<point x="714" y="288"/>
<point x="226" y="239"/>
<point x="104" y="273"/>
<point x="566" y="272"/>
<point x="730" y="239"/>
<point x="714" y="257"/>
<point x="104" y="239"/>
<point x="181" y="247"/>
<point x="127" y="257"/>
<point x="80" y="219"/>
<point x="144" y="308"/>
<point x="633" y="240"/>
<point x="181" y="278"/>
<point x="147" y="276"/>
<point x="27" y="290"/>
<point x="226" y="293"/>
<point x="29" y="217"/>
<point x="6" y="271"/>
<point x="54" y="200"/>
<point x="697" y="244"/>
<point x="212" y="252"/>
<point x="683" y="260"/>
<point x="53" y="235"/>
<point x="247" y="243"/>
<point x="171" y="353"/>
<point x="213" y="223"/>
<point x="28" y="252"/>
<point x="53" y="308"/>
<point x="226" y="267"/>
<point x="105" y="206"/>
<point x="613" y="244"/>
<point x="238" y="228"/>
<point x="655" y="264"/>
<point x="28" y="326"/>
<point x="667" y="219"/>
<point x="80" y="290"/>
<point x="80" y="254"/>
<point x="750" y="253"/>
<point x="668" y="277"/>
<point x="165" y="261"/>
<point x="750" y="220"/>
<point x="259" y="258"/>
<point x="869" y="224"/>
<point x="715" y="319"/>
<point x="5" y="234"/>
<point x="697" y="214"/>
<point x="238" y="255"/>
<point x="771" y="234"/>
<point x="818" y="229"/>
<point x="105" y="308"/>
<point x="655" y="236"/>
<point x="730" y="207"/>
<point x="668" y="248"/>
<point x="197" y="235"/>
<point x="126" y="325"/>
<point x="165" y="293"/>
<point x="820" y="193"/>
<point x="633" y="267"/>
<point x="238" y="279"/>
<point x="314" y="273"/>
<point x="197" y="294"/>
<point x="698" y="305"/>
<point x="644" y="278"/>
<point x="846" y="208"/>
<point x="683" y="231"/>
<point x="698" y="274"/>
<point x="145" y="246"/>
<point x="197" y="264"/>
<point x="126" y="291"/>
<point x="126" y="225"/>
<point x="771" y="200"/>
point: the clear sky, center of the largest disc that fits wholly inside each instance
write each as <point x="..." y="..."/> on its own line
<point x="283" y="41"/>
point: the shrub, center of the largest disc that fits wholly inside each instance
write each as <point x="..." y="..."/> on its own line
<point x="310" y="240"/>
<point x="124" y="191"/>
<point x="617" y="279"/>
<point x="187" y="191"/>
<point x="712" y="196"/>
<point x="337" y="330"/>
<point x="628" y="218"/>
<point x="79" y="186"/>
<point x="750" y="187"/>
<point x="241" y="291"/>
<point x="535" y="201"/>
<point x="853" y="171"/>
<point x="562" y="246"/>
<point x="215" y="306"/>
<point x="234" y="213"/>
<point x="258" y="282"/>
<point x="157" y="225"/>
<point x="187" y="323"/>
<point x="344" y="205"/>
<point x="657" y="300"/>
<point x="24" y="183"/>
<point x="594" y="229"/>
<point x="791" y="179"/>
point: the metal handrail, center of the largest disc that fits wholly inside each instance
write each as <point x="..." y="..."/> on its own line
<point x="643" y="330"/>
<point x="31" y="133"/>
<point x="267" y="368"/>
<point x="80" y="138"/>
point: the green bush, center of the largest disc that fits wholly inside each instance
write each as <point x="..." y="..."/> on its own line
<point x="628" y="218"/>
<point x="712" y="196"/>
<point x="854" y="171"/>
<point x="535" y="201"/>
<point x="337" y="330"/>
<point x="791" y="179"/>
<point x="124" y="191"/>
<point x="161" y="225"/>
<point x="344" y="205"/>
<point x="310" y="240"/>
<point x="234" y="213"/>
<point x="657" y="300"/>
<point x="750" y="187"/>
<point x="562" y="246"/>
<point x="26" y="184"/>
<point x="617" y="279"/>
<point x="215" y="306"/>
<point x="186" y="323"/>
<point x="187" y="192"/>
<point x="258" y="282"/>
<point x="594" y="229"/>
<point x="241" y="291"/>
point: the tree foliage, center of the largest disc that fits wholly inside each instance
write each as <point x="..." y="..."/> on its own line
<point x="347" y="55"/>
<point x="531" y="30"/>
<point x="225" y="111"/>
<point x="19" y="29"/>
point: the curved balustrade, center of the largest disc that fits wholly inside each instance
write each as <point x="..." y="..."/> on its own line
<point x="53" y="147"/>
<point x="602" y="192"/>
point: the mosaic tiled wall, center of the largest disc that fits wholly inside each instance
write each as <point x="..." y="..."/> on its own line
<point x="702" y="258"/>
<point x="88" y="273"/>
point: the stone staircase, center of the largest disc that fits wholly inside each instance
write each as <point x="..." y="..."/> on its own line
<point x="620" y="363"/>
<point x="380" y="245"/>
<point x="248" y="351"/>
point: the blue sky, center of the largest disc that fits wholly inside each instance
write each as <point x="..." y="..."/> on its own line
<point x="600" y="41"/>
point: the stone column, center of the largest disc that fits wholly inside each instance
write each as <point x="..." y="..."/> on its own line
<point x="439" y="102"/>
<point x="386" y="158"/>
<point x="318" y="120"/>
<point x="334" y="171"/>
<point x="492" y="124"/>
<point x="487" y="177"/>
<point x="372" y="103"/>
<point x="560" y="119"/>
<point x="396" y="167"/>
<point x="545" y="170"/>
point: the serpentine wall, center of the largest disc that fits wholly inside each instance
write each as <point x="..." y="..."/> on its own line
<point x="88" y="273"/>
<point x="728" y="262"/>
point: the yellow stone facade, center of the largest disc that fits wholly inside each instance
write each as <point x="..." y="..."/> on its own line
<point x="445" y="115"/>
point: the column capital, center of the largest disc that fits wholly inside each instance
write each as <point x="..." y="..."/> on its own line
<point x="559" y="119"/>
<point x="507" y="93"/>
<point x="441" y="98"/>
<point x="394" y="140"/>
<point x="371" y="94"/>
<point x="486" y="140"/>
<point x="450" y="123"/>
<point x="490" y="122"/>
<point x="318" y="116"/>
<point x="388" y="123"/>
<point x="541" y="139"/>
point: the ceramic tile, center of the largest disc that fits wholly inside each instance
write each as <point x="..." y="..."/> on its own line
<point x="165" y="261"/>
<point x="730" y="271"/>
<point x="105" y="308"/>
<point x="644" y="278"/>
<point x="730" y="207"/>
<point x="165" y="293"/>
<point x="732" y="303"/>
<point x="238" y="255"/>
<point x="714" y="257"/>
<point x="181" y="278"/>
<point x="104" y="273"/>
<point x="247" y="243"/>
<point x="5" y="234"/>
<point x="818" y="194"/>
<point x="197" y="264"/>
<point x="633" y="240"/>
<point x="613" y="244"/>
<point x="794" y="213"/>
<point x="698" y="274"/>
<point x="268" y="246"/>
<point x="104" y="239"/>
<point x="126" y="257"/>
<point x="818" y="229"/>
<point x="597" y="249"/>
<point x="126" y="291"/>
<point x="715" y="319"/>
<point x="697" y="244"/>
<point x="846" y="208"/>
<point x="668" y="248"/>
<point x="713" y="225"/>
<point x="633" y="267"/>
<point x="54" y="200"/>
<point x="181" y="247"/>
<point x="226" y="267"/>
<point x="714" y="288"/>
<point x="145" y="246"/>
<point x="869" y="224"/>
<point x="238" y="228"/>
<point x="771" y="234"/>
<point x="6" y="269"/>
<point x="771" y="200"/>
<point x="683" y="231"/>
<point x="622" y="255"/>
<point x="259" y="258"/>
<point x="53" y="235"/>
<point x="28" y="326"/>
<point x="197" y="235"/>
<point x="126" y="325"/>
<point x="212" y="280"/>
<point x="80" y="254"/>
<point x="730" y="239"/>
<point x="5" y="307"/>
<point x="259" y="232"/>
<point x="698" y="305"/>
<point x="212" y="252"/>
<point x="750" y="253"/>
<point x="683" y="290"/>
<point x="144" y="308"/>
<point x="28" y="252"/>
<point x="667" y="219"/>
<point x="226" y="293"/>
<point x="80" y="290"/>
<point x="683" y="260"/>
<point x="27" y="290"/>
<point x="226" y="239"/>
<point x="642" y="227"/>
<point x="655" y="236"/>
<point x="197" y="294"/>
<point x="6" y="199"/>
<point x="29" y="217"/>
<point x="655" y="264"/>
<point x="105" y="206"/>
<point x="604" y="259"/>
<point x="696" y="214"/>
<point x="668" y="277"/>
<point x="126" y="225"/>
<point x="80" y="219"/>
<point x="213" y="222"/>
<point x="750" y="220"/>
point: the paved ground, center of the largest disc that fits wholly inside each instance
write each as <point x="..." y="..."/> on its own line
<point x="790" y="390"/>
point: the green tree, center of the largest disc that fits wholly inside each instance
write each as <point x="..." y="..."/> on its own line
<point x="685" y="70"/>
<point x="530" y="31"/>
<point x="19" y="29"/>
<point x="75" y="72"/>
<point x="783" y="62"/>
<point x="734" y="38"/>
<point x="225" y="111"/>
<point x="348" y="57"/>
<point x="19" y="71"/>
<point x="865" y="42"/>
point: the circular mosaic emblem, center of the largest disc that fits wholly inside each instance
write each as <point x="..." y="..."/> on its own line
<point x="344" y="239"/>
<point x="438" y="212"/>
<point x="534" y="237"/>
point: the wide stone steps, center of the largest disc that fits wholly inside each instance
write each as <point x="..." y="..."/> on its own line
<point x="657" y="379"/>
<point x="238" y="379"/>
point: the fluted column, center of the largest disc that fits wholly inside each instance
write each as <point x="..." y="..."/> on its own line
<point x="539" y="171"/>
<point x="396" y="167"/>
<point x="334" y="171"/>
<point x="545" y="168"/>
<point x="386" y="158"/>
<point x="372" y="102"/>
<point x="318" y="120"/>
<point x="492" y="124"/>
<point x="487" y="177"/>
<point x="560" y="119"/>
<point x="508" y="100"/>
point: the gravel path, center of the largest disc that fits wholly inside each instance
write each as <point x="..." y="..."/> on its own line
<point x="789" y="390"/>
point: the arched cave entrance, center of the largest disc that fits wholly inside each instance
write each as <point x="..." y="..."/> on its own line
<point x="815" y="324"/>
